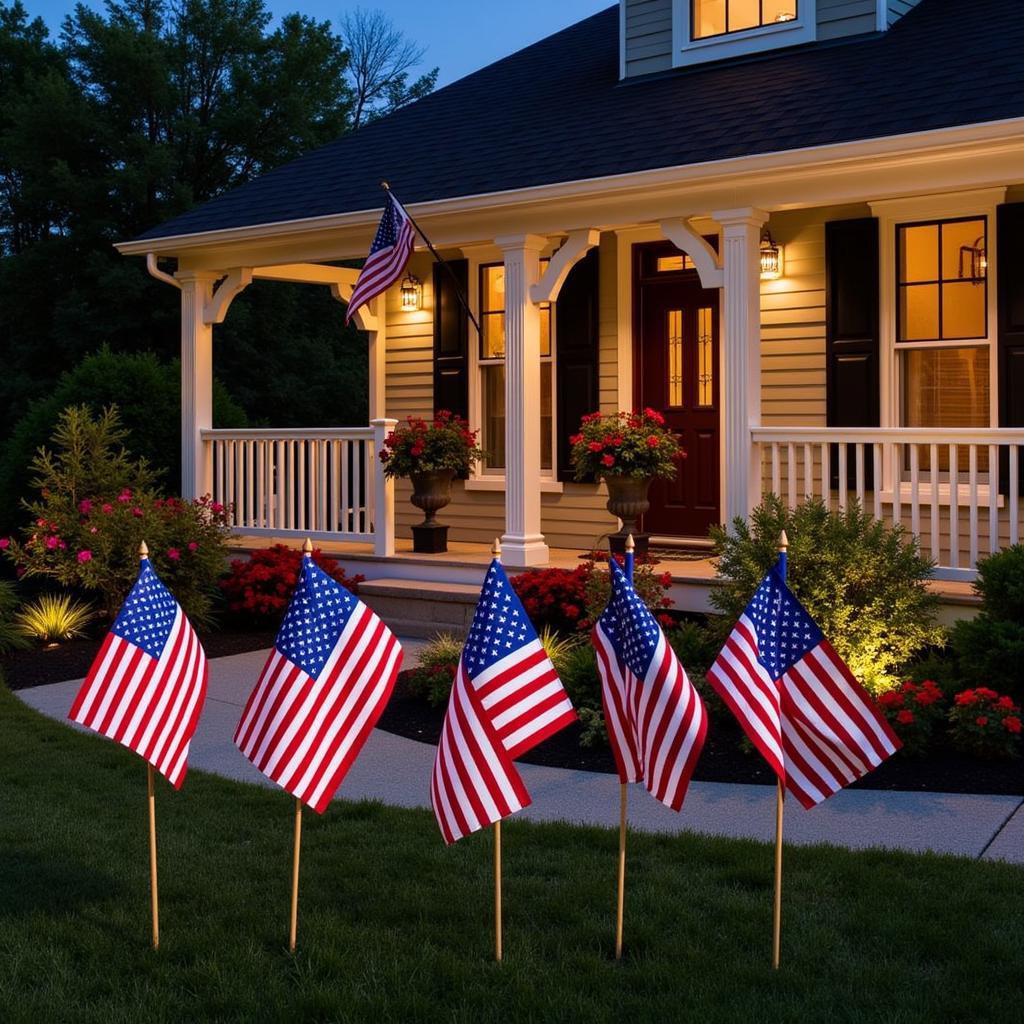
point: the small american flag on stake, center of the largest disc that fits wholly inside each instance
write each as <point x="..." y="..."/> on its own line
<point x="389" y="253"/>
<point x="324" y="686"/>
<point x="147" y="685"/>
<point x="506" y="699"/>
<point x="796" y="699"/>
<point x="655" y="717"/>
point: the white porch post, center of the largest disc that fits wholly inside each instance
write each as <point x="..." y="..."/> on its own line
<point x="383" y="493"/>
<point x="196" y="380"/>
<point x="741" y="365"/>
<point x="523" y="543"/>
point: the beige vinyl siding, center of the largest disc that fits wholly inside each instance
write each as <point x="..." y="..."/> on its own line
<point x="895" y="9"/>
<point x="648" y="36"/>
<point x="845" y="18"/>
<point x="793" y="320"/>
<point x="576" y="518"/>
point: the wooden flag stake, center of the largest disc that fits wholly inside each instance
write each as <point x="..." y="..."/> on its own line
<point x="295" y="877"/>
<point x="154" y="899"/>
<point x="496" y="553"/>
<point x="780" y="794"/>
<point x="620" y="904"/>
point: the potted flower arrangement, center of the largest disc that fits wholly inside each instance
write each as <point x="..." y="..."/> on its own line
<point x="627" y="450"/>
<point x="431" y="455"/>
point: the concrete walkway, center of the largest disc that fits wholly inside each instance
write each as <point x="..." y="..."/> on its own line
<point x="396" y="771"/>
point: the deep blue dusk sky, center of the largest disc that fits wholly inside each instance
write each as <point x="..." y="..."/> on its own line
<point x="471" y="33"/>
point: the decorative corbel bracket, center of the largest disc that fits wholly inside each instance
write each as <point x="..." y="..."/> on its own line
<point x="234" y="284"/>
<point x="576" y="246"/>
<point x="681" y="234"/>
<point x="365" y="318"/>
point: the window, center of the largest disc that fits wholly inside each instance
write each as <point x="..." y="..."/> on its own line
<point x="492" y="370"/>
<point x="720" y="17"/>
<point x="942" y="325"/>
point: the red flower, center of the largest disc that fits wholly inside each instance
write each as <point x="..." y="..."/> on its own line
<point x="652" y="441"/>
<point x="966" y="698"/>
<point x="575" y="439"/>
<point x="981" y="720"/>
<point x="595" y="446"/>
<point x="905" y="717"/>
<point x="985" y="693"/>
<point x="607" y="460"/>
<point x="125" y="495"/>
<point x="193" y="546"/>
<point x="1006" y="704"/>
<point x="106" y="508"/>
<point x="1011" y="723"/>
<point x="85" y="506"/>
<point x="173" y="554"/>
<point x="891" y="699"/>
<point x="5" y="543"/>
<point x="653" y="414"/>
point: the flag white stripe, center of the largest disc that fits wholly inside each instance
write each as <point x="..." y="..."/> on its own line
<point x="156" y="695"/>
<point x="540" y="722"/>
<point x="506" y="690"/>
<point x="526" y="702"/>
<point x="266" y="693"/>
<point x="96" y="690"/>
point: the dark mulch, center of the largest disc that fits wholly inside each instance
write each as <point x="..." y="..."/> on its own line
<point x="944" y="771"/>
<point x="722" y="760"/>
<point x="71" y="660"/>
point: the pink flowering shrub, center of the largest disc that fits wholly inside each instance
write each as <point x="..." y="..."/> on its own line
<point x="634" y="444"/>
<point x="95" y="506"/>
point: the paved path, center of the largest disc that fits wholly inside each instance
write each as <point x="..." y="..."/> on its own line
<point x="396" y="771"/>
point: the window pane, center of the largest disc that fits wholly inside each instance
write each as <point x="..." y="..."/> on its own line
<point x="674" y="369"/>
<point x="546" y="425"/>
<point x="744" y="14"/>
<point x="493" y="326"/>
<point x="669" y="263"/>
<point x="779" y="10"/>
<point x="919" y="312"/>
<point x="492" y="297"/>
<point x="963" y="310"/>
<point x="946" y="387"/>
<point x="705" y="358"/>
<point x="919" y="253"/>
<point x="709" y="18"/>
<point x="545" y="329"/>
<point x="492" y="380"/>
<point x="959" y="238"/>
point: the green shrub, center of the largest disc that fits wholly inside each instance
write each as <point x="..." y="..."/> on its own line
<point x="11" y="636"/>
<point x="55" y="617"/>
<point x="435" y="672"/>
<point x="694" y="645"/>
<point x="985" y="723"/>
<point x="578" y="672"/>
<point x="97" y="504"/>
<point x="147" y="393"/>
<point x="861" y="581"/>
<point x="989" y="649"/>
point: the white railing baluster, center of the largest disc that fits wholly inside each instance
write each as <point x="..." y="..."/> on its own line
<point x="876" y="479"/>
<point x="915" y="492"/>
<point x="858" y="449"/>
<point x="791" y="473"/>
<point x="776" y="471"/>
<point x="993" y="499"/>
<point x="357" y="486"/>
<point x="1013" y="498"/>
<point x="347" y="523"/>
<point x="954" y="507"/>
<point x="826" y="477"/>
<point x="972" y="497"/>
<point x="933" y="477"/>
<point x="336" y="447"/>
<point x="896" y="455"/>
<point x="842" y="476"/>
<point x="260" y="520"/>
<point x="321" y="449"/>
<point x="808" y="472"/>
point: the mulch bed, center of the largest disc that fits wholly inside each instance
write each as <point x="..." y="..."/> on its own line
<point x="943" y="771"/>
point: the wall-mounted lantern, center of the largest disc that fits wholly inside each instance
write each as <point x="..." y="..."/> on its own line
<point x="771" y="257"/>
<point x="412" y="294"/>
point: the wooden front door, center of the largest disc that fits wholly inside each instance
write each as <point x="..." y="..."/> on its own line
<point x="676" y="372"/>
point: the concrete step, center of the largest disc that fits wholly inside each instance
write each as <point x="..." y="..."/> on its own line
<point x="421" y="609"/>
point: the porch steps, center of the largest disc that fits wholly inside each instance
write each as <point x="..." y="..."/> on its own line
<point x="416" y="608"/>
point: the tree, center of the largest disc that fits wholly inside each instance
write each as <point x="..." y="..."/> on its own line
<point x="380" y="60"/>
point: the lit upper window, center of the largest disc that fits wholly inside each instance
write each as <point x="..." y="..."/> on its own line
<point x="720" y="17"/>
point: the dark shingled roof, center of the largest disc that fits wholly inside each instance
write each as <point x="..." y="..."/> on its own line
<point x="556" y="112"/>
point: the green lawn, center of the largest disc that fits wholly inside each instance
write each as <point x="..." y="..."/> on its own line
<point x="395" y="927"/>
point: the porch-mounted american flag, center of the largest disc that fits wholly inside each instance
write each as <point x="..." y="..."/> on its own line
<point x="324" y="686"/>
<point x="389" y="253"/>
<point x="655" y="717"/>
<point x="147" y="685"/>
<point x="796" y="699"/>
<point x="506" y="698"/>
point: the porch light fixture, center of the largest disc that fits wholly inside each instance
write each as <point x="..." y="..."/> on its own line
<point x="771" y="257"/>
<point x="975" y="259"/>
<point x="412" y="294"/>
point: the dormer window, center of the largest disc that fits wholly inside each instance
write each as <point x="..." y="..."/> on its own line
<point x="721" y="17"/>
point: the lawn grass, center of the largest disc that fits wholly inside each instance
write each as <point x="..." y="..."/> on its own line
<point x="393" y="926"/>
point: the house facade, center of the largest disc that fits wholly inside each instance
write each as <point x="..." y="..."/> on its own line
<point x="795" y="227"/>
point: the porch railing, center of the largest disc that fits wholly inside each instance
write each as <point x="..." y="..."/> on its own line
<point x="959" y="491"/>
<point x="322" y="483"/>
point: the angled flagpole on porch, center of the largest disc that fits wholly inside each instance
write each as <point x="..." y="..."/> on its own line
<point x="437" y="256"/>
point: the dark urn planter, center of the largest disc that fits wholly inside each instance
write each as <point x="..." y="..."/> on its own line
<point x="430" y="492"/>
<point x="627" y="499"/>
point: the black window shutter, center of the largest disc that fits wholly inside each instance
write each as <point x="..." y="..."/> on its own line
<point x="851" y="330"/>
<point x="577" y="319"/>
<point x="451" y="339"/>
<point x="1010" y="329"/>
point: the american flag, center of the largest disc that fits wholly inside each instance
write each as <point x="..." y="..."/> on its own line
<point x="147" y="685"/>
<point x="324" y="686"/>
<point x="655" y="717"/>
<point x="506" y="698"/>
<point x="389" y="253"/>
<point x="796" y="699"/>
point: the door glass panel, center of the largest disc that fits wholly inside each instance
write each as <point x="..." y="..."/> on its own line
<point x="705" y="359"/>
<point x="674" y="333"/>
<point x="669" y="263"/>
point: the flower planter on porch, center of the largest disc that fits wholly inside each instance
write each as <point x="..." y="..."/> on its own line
<point x="627" y="499"/>
<point x="431" y="491"/>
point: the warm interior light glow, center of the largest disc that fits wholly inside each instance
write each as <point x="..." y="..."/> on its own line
<point x="412" y="294"/>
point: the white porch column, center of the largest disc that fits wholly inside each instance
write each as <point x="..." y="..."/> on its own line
<point x="523" y="543"/>
<point x="383" y="492"/>
<point x="377" y="351"/>
<point x="196" y="380"/>
<point x="741" y="364"/>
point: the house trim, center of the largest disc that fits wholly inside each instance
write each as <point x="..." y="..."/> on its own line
<point x="785" y="179"/>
